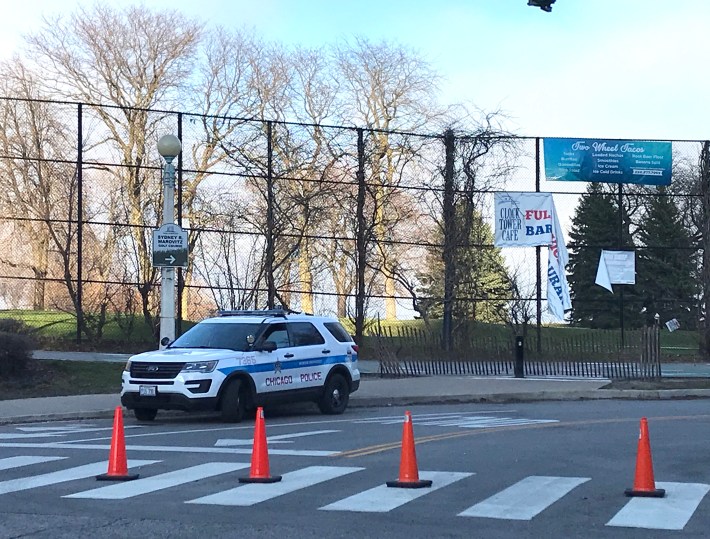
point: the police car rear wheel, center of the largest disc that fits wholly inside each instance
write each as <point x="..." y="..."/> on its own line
<point x="145" y="414"/>
<point x="336" y="395"/>
<point x="233" y="404"/>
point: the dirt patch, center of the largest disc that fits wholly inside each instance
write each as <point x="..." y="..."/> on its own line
<point x="661" y="383"/>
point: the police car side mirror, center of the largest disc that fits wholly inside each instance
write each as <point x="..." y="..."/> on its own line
<point x="266" y="346"/>
<point x="165" y="341"/>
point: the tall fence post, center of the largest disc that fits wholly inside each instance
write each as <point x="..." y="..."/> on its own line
<point x="360" y="240"/>
<point x="651" y="350"/>
<point x="180" y="276"/>
<point x="270" y="225"/>
<point x="704" y="168"/>
<point x="79" y="223"/>
<point x="538" y="250"/>
<point x="621" y="246"/>
<point x="449" y="251"/>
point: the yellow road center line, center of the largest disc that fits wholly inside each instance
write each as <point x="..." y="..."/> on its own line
<point x="372" y="449"/>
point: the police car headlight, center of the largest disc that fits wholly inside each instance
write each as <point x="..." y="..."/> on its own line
<point x="127" y="368"/>
<point x="199" y="366"/>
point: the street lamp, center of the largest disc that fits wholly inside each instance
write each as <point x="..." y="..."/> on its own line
<point x="169" y="147"/>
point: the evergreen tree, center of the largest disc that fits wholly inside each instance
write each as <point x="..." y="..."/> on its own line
<point x="665" y="264"/>
<point x="481" y="277"/>
<point x="595" y="226"/>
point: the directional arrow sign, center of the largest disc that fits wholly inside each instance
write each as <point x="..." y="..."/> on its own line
<point x="170" y="246"/>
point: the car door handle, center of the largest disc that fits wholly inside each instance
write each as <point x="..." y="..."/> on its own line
<point x="288" y="355"/>
<point x="326" y="351"/>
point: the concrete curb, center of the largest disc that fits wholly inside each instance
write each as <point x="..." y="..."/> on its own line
<point x="626" y="394"/>
<point x="64" y="416"/>
<point x="371" y="402"/>
<point x="654" y="394"/>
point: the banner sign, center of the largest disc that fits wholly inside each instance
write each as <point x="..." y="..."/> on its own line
<point x="558" y="300"/>
<point x="530" y="220"/>
<point x="610" y="161"/>
<point x="523" y="219"/>
<point x="616" y="267"/>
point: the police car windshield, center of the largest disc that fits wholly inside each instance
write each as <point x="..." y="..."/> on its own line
<point x="217" y="335"/>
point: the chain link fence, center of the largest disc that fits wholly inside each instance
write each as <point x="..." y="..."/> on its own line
<point x="358" y="223"/>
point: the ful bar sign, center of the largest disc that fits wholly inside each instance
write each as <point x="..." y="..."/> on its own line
<point x="530" y="220"/>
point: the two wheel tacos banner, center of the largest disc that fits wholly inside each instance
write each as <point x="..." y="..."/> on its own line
<point x="609" y="161"/>
<point x="530" y="220"/>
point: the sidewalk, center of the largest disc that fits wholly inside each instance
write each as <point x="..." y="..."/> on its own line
<point x="374" y="391"/>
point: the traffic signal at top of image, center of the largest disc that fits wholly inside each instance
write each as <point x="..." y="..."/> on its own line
<point x="545" y="5"/>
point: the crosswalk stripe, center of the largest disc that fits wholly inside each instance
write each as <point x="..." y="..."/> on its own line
<point x="460" y="420"/>
<point x="278" y="439"/>
<point x="383" y="498"/>
<point x="170" y="449"/>
<point x="25" y="436"/>
<point x="16" y="462"/>
<point x="524" y="499"/>
<point x="70" y="474"/>
<point x="521" y="501"/>
<point x="669" y="513"/>
<point x="483" y="423"/>
<point x="426" y="417"/>
<point x="64" y="428"/>
<point x="251" y="494"/>
<point x="121" y="491"/>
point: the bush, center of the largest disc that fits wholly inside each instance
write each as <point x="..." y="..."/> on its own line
<point x="13" y="325"/>
<point x="15" y="352"/>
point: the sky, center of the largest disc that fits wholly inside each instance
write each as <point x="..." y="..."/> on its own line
<point x="590" y="68"/>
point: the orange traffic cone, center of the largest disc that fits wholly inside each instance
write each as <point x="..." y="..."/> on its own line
<point x="259" y="472"/>
<point x="644" y="483"/>
<point x="408" y="474"/>
<point x="117" y="463"/>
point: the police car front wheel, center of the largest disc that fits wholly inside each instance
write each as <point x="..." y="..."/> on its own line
<point x="233" y="402"/>
<point x="335" y="396"/>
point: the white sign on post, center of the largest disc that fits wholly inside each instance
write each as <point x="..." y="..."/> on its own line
<point x="672" y="325"/>
<point x="616" y="267"/>
<point x="170" y="246"/>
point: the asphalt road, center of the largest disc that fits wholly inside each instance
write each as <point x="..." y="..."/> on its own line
<point x="546" y="469"/>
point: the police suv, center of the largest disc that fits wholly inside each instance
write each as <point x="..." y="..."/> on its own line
<point x="243" y="359"/>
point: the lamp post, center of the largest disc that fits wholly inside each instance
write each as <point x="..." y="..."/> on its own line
<point x="169" y="147"/>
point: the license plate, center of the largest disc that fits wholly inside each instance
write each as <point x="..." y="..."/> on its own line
<point x="148" y="391"/>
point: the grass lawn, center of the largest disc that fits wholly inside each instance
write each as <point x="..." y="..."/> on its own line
<point x="49" y="378"/>
<point x="56" y="331"/>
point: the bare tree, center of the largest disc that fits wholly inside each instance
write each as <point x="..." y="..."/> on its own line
<point x="135" y="59"/>
<point x="220" y="96"/>
<point x="287" y="163"/>
<point x="39" y="186"/>
<point x="35" y="188"/>
<point x="386" y="87"/>
<point x="28" y="184"/>
<point x="311" y="160"/>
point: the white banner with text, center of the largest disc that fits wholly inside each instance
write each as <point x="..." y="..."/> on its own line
<point x="530" y="220"/>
